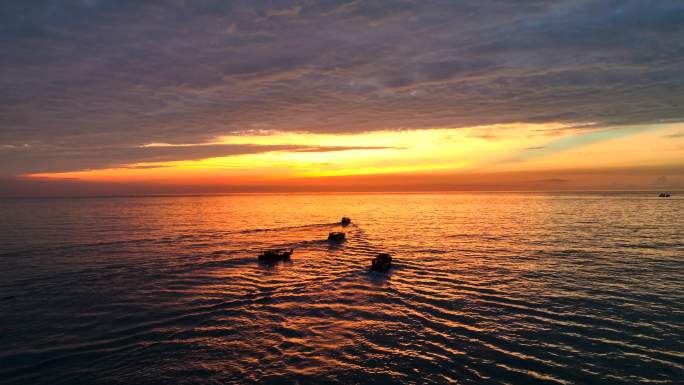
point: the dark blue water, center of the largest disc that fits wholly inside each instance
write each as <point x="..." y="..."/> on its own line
<point x="486" y="288"/>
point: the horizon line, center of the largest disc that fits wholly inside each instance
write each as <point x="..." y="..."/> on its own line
<point x="360" y="192"/>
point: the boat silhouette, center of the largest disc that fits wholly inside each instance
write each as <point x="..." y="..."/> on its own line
<point x="273" y="255"/>
<point x="336" y="236"/>
<point x="382" y="262"/>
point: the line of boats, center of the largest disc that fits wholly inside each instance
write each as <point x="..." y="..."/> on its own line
<point x="382" y="262"/>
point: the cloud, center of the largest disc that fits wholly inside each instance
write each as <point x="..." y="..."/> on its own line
<point x="77" y="75"/>
<point x="56" y="159"/>
<point x="343" y="148"/>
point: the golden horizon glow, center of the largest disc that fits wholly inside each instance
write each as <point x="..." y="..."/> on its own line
<point x="511" y="147"/>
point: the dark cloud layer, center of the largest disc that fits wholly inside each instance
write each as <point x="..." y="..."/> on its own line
<point x="79" y="75"/>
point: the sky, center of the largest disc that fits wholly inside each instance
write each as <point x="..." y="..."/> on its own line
<point x="207" y="96"/>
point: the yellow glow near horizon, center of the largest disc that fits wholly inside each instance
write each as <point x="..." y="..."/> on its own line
<point x="475" y="148"/>
<point x="628" y="147"/>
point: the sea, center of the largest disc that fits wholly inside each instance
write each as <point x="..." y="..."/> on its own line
<point x="485" y="288"/>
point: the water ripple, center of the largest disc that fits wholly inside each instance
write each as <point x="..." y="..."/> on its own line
<point x="539" y="289"/>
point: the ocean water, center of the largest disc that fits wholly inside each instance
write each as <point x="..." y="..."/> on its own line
<point x="512" y="288"/>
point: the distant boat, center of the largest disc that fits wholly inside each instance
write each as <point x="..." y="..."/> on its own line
<point x="664" y="195"/>
<point x="337" y="236"/>
<point x="382" y="262"/>
<point x="275" y="255"/>
<point x="345" y="221"/>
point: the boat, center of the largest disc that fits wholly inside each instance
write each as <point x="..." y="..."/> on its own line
<point x="382" y="262"/>
<point x="345" y="221"/>
<point x="664" y="195"/>
<point x="337" y="236"/>
<point x="273" y="255"/>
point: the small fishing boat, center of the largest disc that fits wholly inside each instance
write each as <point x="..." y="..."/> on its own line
<point x="336" y="236"/>
<point x="664" y="195"/>
<point x="273" y="255"/>
<point x="345" y="221"/>
<point x="382" y="262"/>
